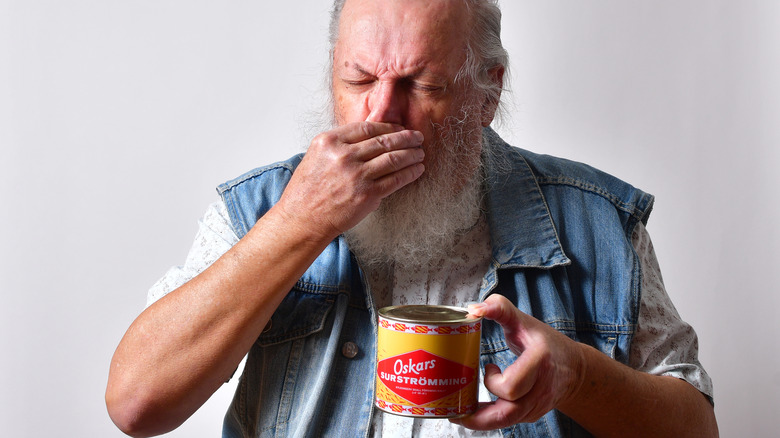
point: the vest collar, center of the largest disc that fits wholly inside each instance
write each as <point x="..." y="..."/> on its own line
<point x="522" y="232"/>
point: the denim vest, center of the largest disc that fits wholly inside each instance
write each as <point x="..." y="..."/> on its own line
<point x="561" y="242"/>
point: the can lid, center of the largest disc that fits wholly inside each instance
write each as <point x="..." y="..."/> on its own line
<point x="423" y="313"/>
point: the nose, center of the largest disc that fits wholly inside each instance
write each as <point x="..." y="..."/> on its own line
<point x="386" y="103"/>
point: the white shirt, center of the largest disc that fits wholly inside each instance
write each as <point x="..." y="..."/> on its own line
<point x="663" y="343"/>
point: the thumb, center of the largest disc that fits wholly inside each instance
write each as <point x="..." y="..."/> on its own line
<point x="499" y="309"/>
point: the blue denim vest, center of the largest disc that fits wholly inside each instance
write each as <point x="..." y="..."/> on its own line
<point x="561" y="242"/>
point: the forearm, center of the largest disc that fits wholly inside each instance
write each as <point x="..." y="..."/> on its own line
<point x="183" y="347"/>
<point x="613" y="400"/>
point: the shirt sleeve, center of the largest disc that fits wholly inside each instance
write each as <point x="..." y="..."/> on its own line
<point x="663" y="344"/>
<point x="215" y="237"/>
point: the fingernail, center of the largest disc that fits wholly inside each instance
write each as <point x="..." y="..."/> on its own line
<point x="477" y="309"/>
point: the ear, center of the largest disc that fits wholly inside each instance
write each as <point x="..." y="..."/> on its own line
<point x="490" y="105"/>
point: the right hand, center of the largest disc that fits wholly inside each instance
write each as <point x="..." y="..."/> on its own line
<point x="348" y="171"/>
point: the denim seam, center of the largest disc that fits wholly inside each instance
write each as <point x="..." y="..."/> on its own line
<point x="251" y="175"/>
<point x="230" y="204"/>
<point x="323" y="289"/>
<point x="290" y="380"/>
<point x="243" y="410"/>
<point x="537" y="182"/>
<point x="636" y="295"/>
<point x="591" y="327"/>
<point x="494" y="350"/>
<point x="629" y="208"/>
<point x="494" y="347"/>
<point x="565" y="262"/>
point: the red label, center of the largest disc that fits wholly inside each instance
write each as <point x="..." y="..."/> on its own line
<point x="421" y="377"/>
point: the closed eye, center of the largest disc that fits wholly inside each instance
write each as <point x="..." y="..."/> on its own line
<point x="427" y="88"/>
<point x="357" y="83"/>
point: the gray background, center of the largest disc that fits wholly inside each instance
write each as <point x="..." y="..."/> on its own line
<point x="118" y="119"/>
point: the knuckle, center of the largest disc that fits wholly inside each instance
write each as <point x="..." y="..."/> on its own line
<point x="501" y="418"/>
<point x="515" y="393"/>
<point x="390" y="184"/>
<point x="324" y="140"/>
<point x="366" y="128"/>
<point x="384" y="142"/>
<point x="394" y="161"/>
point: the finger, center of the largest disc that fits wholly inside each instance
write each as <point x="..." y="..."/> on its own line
<point x="512" y="320"/>
<point x="536" y="403"/>
<point x="516" y="380"/>
<point x="386" y="143"/>
<point x="502" y="413"/>
<point x="499" y="309"/>
<point x="490" y="416"/>
<point x="391" y="183"/>
<point x="360" y="131"/>
<point x="391" y="162"/>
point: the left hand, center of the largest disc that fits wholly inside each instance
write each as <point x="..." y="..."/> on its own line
<point x="546" y="373"/>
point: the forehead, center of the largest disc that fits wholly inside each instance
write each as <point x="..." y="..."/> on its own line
<point x="399" y="35"/>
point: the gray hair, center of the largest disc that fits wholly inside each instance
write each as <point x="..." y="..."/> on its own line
<point x="484" y="50"/>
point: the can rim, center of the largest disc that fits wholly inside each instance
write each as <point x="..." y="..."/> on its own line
<point x="427" y="313"/>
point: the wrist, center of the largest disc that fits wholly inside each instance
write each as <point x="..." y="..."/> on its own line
<point x="303" y="227"/>
<point x="577" y="386"/>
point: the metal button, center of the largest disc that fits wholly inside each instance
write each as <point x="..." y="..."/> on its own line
<point x="349" y="350"/>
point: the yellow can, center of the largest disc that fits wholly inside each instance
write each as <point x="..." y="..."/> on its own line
<point x="427" y="361"/>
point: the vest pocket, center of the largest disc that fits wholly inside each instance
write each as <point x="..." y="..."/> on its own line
<point x="300" y="314"/>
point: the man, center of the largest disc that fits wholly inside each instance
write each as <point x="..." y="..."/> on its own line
<point x="410" y="198"/>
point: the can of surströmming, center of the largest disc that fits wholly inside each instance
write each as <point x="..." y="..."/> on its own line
<point x="427" y="361"/>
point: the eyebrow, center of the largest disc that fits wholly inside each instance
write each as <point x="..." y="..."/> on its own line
<point x="433" y="76"/>
<point x="360" y="69"/>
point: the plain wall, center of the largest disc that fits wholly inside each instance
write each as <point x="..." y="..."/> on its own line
<point x="118" y="119"/>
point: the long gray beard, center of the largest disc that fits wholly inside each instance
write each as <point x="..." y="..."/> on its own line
<point x="421" y="223"/>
